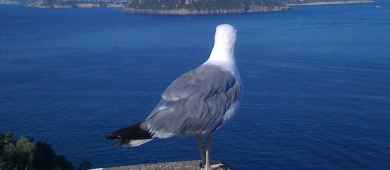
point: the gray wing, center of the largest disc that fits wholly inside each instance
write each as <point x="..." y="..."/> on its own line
<point x="194" y="103"/>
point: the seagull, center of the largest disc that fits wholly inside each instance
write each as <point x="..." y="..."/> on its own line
<point x="195" y="104"/>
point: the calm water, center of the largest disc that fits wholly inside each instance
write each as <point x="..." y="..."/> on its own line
<point x="316" y="84"/>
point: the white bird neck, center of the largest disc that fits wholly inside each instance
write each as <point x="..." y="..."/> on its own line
<point x="222" y="55"/>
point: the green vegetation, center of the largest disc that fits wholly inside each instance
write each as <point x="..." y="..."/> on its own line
<point x="200" y="4"/>
<point x="24" y="154"/>
<point x="180" y="7"/>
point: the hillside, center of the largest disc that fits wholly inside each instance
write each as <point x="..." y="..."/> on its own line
<point x="185" y="7"/>
<point x="182" y="7"/>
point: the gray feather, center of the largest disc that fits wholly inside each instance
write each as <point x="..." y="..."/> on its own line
<point x="194" y="103"/>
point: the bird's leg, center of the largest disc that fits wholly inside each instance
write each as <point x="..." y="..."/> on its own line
<point x="207" y="165"/>
<point x="208" y="147"/>
<point x="200" y="140"/>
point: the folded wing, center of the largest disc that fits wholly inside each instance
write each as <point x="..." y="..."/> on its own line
<point x="194" y="103"/>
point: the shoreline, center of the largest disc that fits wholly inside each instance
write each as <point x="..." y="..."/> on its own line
<point x="187" y="12"/>
<point x="6" y="2"/>
<point x="253" y="9"/>
<point x="332" y="3"/>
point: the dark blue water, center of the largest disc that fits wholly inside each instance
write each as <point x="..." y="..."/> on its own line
<point x="316" y="84"/>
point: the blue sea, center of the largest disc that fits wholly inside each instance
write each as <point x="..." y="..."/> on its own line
<point x="316" y="91"/>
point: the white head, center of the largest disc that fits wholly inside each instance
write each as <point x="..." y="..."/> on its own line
<point x="223" y="50"/>
<point x="225" y="36"/>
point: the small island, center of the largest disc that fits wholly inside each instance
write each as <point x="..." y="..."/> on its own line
<point x="182" y="7"/>
<point x="203" y="7"/>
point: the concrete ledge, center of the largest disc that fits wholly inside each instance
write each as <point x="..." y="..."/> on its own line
<point x="181" y="165"/>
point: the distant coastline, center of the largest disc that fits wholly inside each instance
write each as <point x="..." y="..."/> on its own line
<point x="176" y="7"/>
<point x="253" y="9"/>
<point x="333" y="3"/>
<point x="9" y="2"/>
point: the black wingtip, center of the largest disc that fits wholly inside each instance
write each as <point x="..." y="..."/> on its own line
<point x="130" y="133"/>
<point x="110" y="136"/>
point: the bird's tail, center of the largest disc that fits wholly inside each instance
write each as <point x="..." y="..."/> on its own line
<point x="133" y="136"/>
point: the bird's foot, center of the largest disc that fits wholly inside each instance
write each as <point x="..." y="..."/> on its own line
<point x="217" y="166"/>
